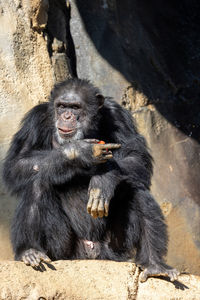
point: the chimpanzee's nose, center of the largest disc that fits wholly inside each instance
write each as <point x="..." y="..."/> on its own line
<point x="68" y="115"/>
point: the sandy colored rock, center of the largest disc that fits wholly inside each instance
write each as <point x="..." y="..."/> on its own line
<point x="187" y="287"/>
<point x="39" y="14"/>
<point x="26" y="78"/>
<point x="150" y="64"/>
<point x="85" y="280"/>
<point x="144" y="60"/>
<point x="175" y="186"/>
<point x="90" y="280"/>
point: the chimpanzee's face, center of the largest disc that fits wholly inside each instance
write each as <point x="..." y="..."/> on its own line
<point x="70" y="116"/>
<point x="76" y="111"/>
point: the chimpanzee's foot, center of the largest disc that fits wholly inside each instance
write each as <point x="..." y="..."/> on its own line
<point x="159" y="270"/>
<point x="34" y="257"/>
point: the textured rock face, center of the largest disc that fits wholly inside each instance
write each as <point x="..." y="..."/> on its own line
<point x="175" y="186"/>
<point x="146" y="57"/>
<point x="31" y="61"/>
<point x="90" y="280"/>
<point x="26" y="78"/>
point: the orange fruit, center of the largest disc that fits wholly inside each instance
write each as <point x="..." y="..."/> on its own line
<point x="101" y="142"/>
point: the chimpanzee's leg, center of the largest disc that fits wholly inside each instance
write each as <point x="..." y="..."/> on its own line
<point x="40" y="230"/>
<point x="152" y="244"/>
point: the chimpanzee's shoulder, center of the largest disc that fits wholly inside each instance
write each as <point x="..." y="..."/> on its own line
<point x="120" y="117"/>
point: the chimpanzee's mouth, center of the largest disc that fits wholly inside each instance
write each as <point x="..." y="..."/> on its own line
<point x="66" y="131"/>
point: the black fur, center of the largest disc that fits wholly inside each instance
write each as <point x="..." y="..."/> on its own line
<point x="52" y="216"/>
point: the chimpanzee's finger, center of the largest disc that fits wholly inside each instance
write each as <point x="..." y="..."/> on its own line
<point x="101" y="207"/>
<point x="91" y="141"/>
<point x="106" y="206"/>
<point x="107" y="156"/>
<point x="25" y="259"/>
<point x="94" y="207"/>
<point x="92" y="193"/>
<point x="89" y="205"/>
<point x="34" y="260"/>
<point x="109" y="146"/>
<point x="106" y="151"/>
<point x="44" y="257"/>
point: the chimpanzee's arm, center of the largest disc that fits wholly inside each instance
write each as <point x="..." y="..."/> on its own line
<point x="135" y="162"/>
<point x="54" y="166"/>
<point x="131" y="163"/>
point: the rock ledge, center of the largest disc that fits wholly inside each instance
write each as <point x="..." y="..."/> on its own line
<point x="91" y="280"/>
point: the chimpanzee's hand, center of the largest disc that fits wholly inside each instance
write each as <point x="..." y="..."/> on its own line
<point x="89" y="150"/>
<point x="102" y="152"/>
<point x="100" y="192"/>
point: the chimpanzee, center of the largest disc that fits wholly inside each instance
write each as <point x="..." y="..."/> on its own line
<point x="82" y="173"/>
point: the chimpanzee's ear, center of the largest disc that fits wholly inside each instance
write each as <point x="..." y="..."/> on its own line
<point x="100" y="98"/>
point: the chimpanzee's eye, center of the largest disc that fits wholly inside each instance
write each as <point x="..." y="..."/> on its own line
<point x="75" y="106"/>
<point x="61" y="106"/>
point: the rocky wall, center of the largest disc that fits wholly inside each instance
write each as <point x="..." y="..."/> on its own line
<point x="143" y="54"/>
<point x="32" y="59"/>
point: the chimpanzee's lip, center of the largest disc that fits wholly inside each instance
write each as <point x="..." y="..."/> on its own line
<point x="66" y="131"/>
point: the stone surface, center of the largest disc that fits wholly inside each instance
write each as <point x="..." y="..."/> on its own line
<point x="90" y="280"/>
<point x="39" y="14"/>
<point x="67" y="280"/>
<point x="176" y="163"/>
<point x="146" y="56"/>
<point x="24" y="65"/>
<point x="59" y="40"/>
<point x="187" y="287"/>
<point x="90" y="63"/>
<point x="26" y="78"/>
